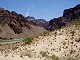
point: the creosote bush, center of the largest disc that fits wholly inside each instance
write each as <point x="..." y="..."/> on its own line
<point x="28" y="40"/>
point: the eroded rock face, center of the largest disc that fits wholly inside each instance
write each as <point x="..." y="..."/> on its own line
<point x="15" y="25"/>
<point x="56" y="23"/>
<point x="68" y="16"/>
<point x="14" y="20"/>
<point x="72" y="13"/>
<point x="36" y="22"/>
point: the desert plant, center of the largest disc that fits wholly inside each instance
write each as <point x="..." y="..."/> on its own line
<point x="72" y="33"/>
<point x="0" y="44"/>
<point x="77" y="40"/>
<point x="54" y="57"/>
<point x="26" y="53"/>
<point x="6" y="55"/>
<point x="43" y="53"/>
<point x="45" y="33"/>
<point x="21" y="56"/>
<point x="28" y="40"/>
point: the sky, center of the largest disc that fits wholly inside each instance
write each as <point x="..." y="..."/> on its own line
<point x="44" y="9"/>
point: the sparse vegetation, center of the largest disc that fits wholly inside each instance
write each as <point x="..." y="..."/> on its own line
<point x="21" y="56"/>
<point x="76" y="23"/>
<point x="54" y="57"/>
<point x="72" y="33"/>
<point x="64" y="43"/>
<point x="28" y="40"/>
<point x="26" y="53"/>
<point x="6" y="55"/>
<point x="71" y="57"/>
<point x="77" y="40"/>
<point x="43" y="53"/>
<point x="45" y="33"/>
<point x="0" y="44"/>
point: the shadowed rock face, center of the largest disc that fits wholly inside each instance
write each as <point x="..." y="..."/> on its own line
<point x="14" y="20"/>
<point x="37" y="22"/>
<point x="72" y="13"/>
<point x="56" y="23"/>
<point x="68" y="16"/>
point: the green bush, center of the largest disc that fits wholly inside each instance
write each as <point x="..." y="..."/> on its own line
<point x="53" y="57"/>
<point x="45" y="33"/>
<point x="43" y="53"/>
<point x="28" y="40"/>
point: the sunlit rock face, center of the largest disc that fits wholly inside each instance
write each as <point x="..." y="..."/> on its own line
<point x="14" y="20"/>
<point x="13" y="25"/>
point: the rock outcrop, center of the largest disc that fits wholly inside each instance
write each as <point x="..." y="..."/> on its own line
<point x="36" y="22"/>
<point x="14" y="20"/>
<point x="68" y="16"/>
<point x="18" y="24"/>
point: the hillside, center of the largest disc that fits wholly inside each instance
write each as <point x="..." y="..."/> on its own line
<point x="69" y="15"/>
<point x="40" y="22"/>
<point x="13" y="25"/>
<point x="61" y="44"/>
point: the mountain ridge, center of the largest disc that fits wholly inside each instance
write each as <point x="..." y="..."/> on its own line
<point x="17" y="25"/>
<point x="69" y="15"/>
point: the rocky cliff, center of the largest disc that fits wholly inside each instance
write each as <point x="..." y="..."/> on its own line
<point x="36" y="22"/>
<point x="13" y="25"/>
<point x="69" y="15"/>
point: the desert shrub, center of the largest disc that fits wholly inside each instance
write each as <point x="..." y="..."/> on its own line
<point x="77" y="22"/>
<point x="26" y="53"/>
<point x="71" y="57"/>
<point x="54" y="57"/>
<point x="6" y="55"/>
<point x="21" y="56"/>
<point x="77" y="40"/>
<point x="28" y="40"/>
<point x="36" y="36"/>
<point x="43" y="53"/>
<point x="72" y="33"/>
<point x="45" y="33"/>
<point x="0" y="44"/>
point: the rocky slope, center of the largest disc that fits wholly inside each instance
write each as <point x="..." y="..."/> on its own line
<point x="61" y="44"/>
<point x="69" y="15"/>
<point x="39" y="22"/>
<point x="13" y="25"/>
